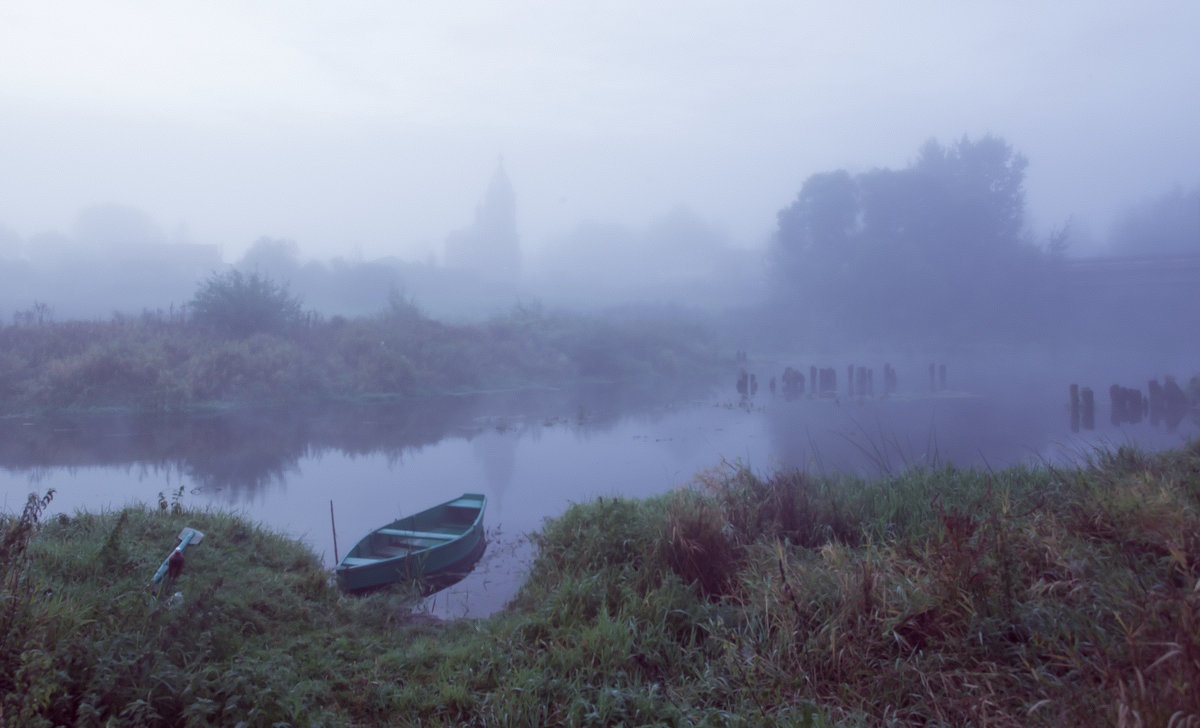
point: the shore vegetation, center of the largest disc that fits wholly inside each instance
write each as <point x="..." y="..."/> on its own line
<point x="1025" y="596"/>
<point x="245" y="341"/>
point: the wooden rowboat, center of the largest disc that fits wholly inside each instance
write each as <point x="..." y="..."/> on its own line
<point x="424" y="546"/>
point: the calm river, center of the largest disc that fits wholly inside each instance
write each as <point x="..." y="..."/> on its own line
<point x="532" y="454"/>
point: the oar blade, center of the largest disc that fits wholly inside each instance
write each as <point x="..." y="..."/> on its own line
<point x="196" y="536"/>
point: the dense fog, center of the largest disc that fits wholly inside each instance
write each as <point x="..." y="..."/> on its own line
<point x="856" y="178"/>
<point x="938" y="254"/>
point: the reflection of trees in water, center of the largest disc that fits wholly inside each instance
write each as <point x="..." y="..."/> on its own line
<point x="243" y="456"/>
<point x="887" y="436"/>
<point x="240" y="452"/>
<point x="497" y="451"/>
<point x="246" y="451"/>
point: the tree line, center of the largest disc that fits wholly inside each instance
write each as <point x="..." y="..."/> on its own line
<point x="937" y="251"/>
<point x="941" y="252"/>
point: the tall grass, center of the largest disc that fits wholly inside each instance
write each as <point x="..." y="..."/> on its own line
<point x="160" y="364"/>
<point x="95" y="646"/>
<point x="1020" y="597"/>
<point x="1028" y="596"/>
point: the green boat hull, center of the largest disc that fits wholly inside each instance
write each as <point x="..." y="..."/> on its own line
<point x="424" y="547"/>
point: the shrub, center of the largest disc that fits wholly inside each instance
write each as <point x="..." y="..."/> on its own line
<point x="240" y="305"/>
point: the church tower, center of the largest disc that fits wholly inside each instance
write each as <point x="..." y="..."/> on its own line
<point x="490" y="247"/>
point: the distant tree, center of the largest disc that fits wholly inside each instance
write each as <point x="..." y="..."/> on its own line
<point x="983" y="186"/>
<point x="271" y="256"/>
<point x="815" y="248"/>
<point x="111" y="228"/>
<point x="241" y="304"/>
<point x="936" y="246"/>
<point x="815" y="230"/>
<point x="964" y="200"/>
<point x="1166" y="225"/>
<point x="1059" y="239"/>
<point x="824" y="214"/>
<point x="11" y="244"/>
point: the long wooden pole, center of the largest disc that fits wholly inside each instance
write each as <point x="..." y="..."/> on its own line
<point x="333" y="524"/>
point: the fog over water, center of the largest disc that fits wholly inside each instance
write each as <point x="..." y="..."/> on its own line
<point x="1010" y="190"/>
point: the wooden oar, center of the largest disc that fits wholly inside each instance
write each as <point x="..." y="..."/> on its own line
<point x="187" y="537"/>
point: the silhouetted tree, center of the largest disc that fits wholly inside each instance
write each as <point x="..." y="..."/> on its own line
<point x="815" y="247"/>
<point x="239" y="304"/>
<point x="824" y="214"/>
<point x="938" y="247"/>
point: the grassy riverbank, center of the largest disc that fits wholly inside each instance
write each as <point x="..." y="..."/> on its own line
<point x="943" y="597"/>
<point x="170" y="363"/>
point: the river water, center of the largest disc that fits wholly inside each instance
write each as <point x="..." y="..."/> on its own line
<point x="532" y="453"/>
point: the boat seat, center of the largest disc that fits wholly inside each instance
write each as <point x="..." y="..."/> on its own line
<point x="405" y="533"/>
<point x="472" y="503"/>
<point x="355" y="561"/>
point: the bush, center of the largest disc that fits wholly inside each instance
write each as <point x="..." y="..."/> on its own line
<point x="240" y="305"/>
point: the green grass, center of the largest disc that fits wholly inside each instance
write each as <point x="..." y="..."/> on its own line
<point x="1027" y="596"/>
<point x="157" y="364"/>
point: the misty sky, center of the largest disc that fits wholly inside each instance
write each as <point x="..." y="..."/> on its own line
<point x="372" y="127"/>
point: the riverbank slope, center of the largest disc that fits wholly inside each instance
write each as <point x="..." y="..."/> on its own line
<point x="1027" y="596"/>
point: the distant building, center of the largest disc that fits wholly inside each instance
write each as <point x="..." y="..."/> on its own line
<point x="489" y="247"/>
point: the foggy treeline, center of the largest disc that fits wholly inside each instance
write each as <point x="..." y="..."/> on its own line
<point x="941" y="252"/>
<point x="938" y="251"/>
<point x="678" y="260"/>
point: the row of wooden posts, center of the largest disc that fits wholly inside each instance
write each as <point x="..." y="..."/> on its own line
<point x="822" y="381"/>
<point x="1166" y="403"/>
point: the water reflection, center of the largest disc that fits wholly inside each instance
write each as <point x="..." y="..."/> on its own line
<point x="241" y="453"/>
<point x="532" y="453"/>
<point x="429" y="586"/>
<point x="885" y="436"/>
<point x="497" y="452"/>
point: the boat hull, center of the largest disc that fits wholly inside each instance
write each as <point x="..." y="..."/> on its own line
<point x="424" y="547"/>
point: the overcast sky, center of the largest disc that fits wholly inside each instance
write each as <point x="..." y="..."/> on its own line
<point x="372" y="127"/>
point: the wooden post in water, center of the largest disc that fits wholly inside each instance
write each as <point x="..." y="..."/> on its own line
<point x="1087" y="413"/>
<point x="1156" y="401"/>
<point x="1074" y="408"/>
<point x="889" y="379"/>
<point x="828" y="382"/>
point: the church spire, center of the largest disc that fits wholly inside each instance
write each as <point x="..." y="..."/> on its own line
<point x="490" y="247"/>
